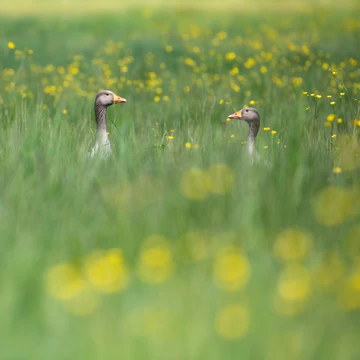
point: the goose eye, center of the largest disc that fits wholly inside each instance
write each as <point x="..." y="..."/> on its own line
<point x="247" y="110"/>
<point x="107" y="94"/>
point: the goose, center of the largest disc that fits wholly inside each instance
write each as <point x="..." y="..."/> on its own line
<point x="103" y="100"/>
<point x="252" y="117"/>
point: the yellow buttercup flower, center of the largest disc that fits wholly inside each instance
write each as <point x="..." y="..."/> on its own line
<point x="106" y="271"/>
<point x="155" y="264"/>
<point x="292" y="244"/>
<point x="231" y="269"/>
<point x="230" y="56"/>
<point x="330" y="117"/>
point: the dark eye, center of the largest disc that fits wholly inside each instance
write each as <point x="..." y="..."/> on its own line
<point x="247" y="110"/>
<point x="107" y="94"/>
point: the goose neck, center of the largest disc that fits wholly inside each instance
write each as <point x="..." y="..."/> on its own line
<point x="253" y="130"/>
<point x="100" y="117"/>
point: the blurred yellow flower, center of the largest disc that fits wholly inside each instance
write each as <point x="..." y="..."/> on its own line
<point x="232" y="321"/>
<point x="294" y="283"/>
<point x="190" y="62"/>
<point x="330" y="117"/>
<point x="155" y="264"/>
<point x="266" y="128"/>
<point x="297" y="81"/>
<point x="337" y="170"/>
<point x="249" y="63"/>
<point x="235" y="70"/>
<point x="230" y="56"/>
<point x="333" y="206"/>
<point x="64" y="281"/>
<point x="325" y="66"/>
<point x="106" y="271"/>
<point x="11" y="45"/>
<point x="347" y="154"/>
<point x="222" y="178"/>
<point x="195" y="184"/>
<point x="231" y="269"/>
<point x="292" y="244"/>
<point x="353" y="62"/>
<point x="188" y="145"/>
<point x="273" y="132"/>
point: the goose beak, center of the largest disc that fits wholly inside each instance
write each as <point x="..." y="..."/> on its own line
<point x="236" y="115"/>
<point x="118" y="99"/>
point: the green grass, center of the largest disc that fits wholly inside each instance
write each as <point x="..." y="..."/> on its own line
<point x="69" y="8"/>
<point x="300" y="296"/>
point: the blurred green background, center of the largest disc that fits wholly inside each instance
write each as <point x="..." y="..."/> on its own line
<point x="67" y="7"/>
<point x="177" y="247"/>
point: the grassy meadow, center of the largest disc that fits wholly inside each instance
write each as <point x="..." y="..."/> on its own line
<point x="177" y="247"/>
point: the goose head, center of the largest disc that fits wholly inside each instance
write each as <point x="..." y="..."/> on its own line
<point x="106" y="98"/>
<point x="250" y="115"/>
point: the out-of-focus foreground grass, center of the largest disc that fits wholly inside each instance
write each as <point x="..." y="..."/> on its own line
<point x="178" y="247"/>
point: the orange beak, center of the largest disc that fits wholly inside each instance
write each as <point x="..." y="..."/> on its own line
<point x="118" y="99"/>
<point x="236" y="115"/>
